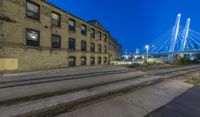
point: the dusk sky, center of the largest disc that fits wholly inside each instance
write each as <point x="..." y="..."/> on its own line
<point x="134" y="22"/>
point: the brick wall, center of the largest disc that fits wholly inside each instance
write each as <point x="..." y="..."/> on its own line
<point x="14" y="24"/>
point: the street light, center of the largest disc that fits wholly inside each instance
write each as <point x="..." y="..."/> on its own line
<point x="147" y="48"/>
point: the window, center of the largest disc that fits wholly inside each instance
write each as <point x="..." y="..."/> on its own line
<point x="72" y="61"/>
<point x="83" y="45"/>
<point x="105" y="38"/>
<point x="105" y="60"/>
<point x="55" y="41"/>
<point x="32" y="37"/>
<point x="83" y="60"/>
<point x="92" y="60"/>
<point x="56" y="19"/>
<point x="99" y="60"/>
<point x="83" y="29"/>
<point x="72" y="25"/>
<point x="99" y="35"/>
<point x="72" y="44"/>
<point x="105" y="49"/>
<point x="92" y="47"/>
<point x="92" y="33"/>
<point x="99" y="48"/>
<point x="32" y="10"/>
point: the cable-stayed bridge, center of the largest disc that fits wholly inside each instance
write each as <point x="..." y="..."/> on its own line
<point x="177" y="40"/>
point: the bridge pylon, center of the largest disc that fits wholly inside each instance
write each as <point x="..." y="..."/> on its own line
<point x="175" y="33"/>
<point x="185" y="35"/>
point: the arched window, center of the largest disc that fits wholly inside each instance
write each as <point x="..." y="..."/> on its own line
<point x="99" y="60"/>
<point x="72" y="61"/>
<point x="83" y="60"/>
<point x="92" y="60"/>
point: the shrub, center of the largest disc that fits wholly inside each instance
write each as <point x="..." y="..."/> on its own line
<point x="194" y="81"/>
<point x="134" y="65"/>
<point x="181" y="61"/>
<point x="166" y="62"/>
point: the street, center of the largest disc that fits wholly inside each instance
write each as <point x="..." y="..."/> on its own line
<point x="69" y="58"/>
<point x="110" y="91"/>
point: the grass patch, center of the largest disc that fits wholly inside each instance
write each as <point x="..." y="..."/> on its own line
<point x="134" y="65"/>
<point x="143" y="64"/>
<point x="194" y="81"/>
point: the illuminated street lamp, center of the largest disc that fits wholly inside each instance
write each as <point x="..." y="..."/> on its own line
<point x="147" y="49"/>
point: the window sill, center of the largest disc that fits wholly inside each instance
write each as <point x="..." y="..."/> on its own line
<point x="71" y="50"/>
<point x="57" y="27"/>
<point x="33" y="47"/>
<point x="33" y="19"/>
<point x="52" y="49"/>
<point x="70" y="31"/>
<point x="83" y="35"/>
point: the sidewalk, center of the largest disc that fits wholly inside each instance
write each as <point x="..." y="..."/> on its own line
<point x="186" y="105"/>
<point x="134" y="104"/>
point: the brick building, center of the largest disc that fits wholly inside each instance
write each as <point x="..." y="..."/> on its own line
<point x="36" y="35"/>
<point x="115" y="50"/>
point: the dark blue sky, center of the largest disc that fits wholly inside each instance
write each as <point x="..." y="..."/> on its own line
<point x="134" y="22"/>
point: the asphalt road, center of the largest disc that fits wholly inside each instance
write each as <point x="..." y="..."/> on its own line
<point x="134" y="103"/>
<point x="15" y="90"/>
<point x="186" y="105"/>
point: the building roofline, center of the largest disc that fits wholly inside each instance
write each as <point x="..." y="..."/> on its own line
<point x="116" y="41"/>
<point x="45" y="1"/>
<point x="91" y="21"/>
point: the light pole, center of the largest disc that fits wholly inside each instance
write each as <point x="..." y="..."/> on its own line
<point x="147" y="48"/>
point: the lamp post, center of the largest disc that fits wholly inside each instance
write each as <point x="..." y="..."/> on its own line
<point x="147" y="49"/>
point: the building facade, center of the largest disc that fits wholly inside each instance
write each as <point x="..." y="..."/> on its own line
<point x="115" y="50"/>
<point x="37" y="35"/>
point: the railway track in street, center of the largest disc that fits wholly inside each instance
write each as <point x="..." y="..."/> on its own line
<point x="22" y="83"/>
<point x="130" y="85"/>
<point x="66" y="108"/>
<point x="39" y="80"/>
<point x="15" y="83"/>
